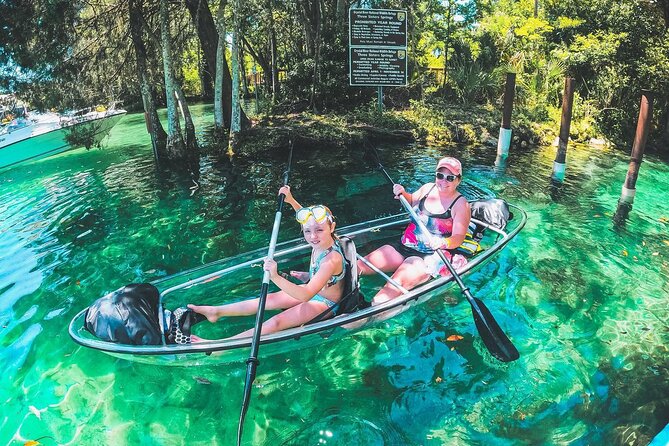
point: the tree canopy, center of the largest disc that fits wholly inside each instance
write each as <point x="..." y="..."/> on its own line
<point x="61" y="53"/>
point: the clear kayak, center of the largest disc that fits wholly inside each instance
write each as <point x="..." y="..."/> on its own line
<point x="235" y="278"/>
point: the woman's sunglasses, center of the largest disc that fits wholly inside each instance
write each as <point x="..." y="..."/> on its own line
<point x="448" y="177"/>
<point x="319" y="212"/>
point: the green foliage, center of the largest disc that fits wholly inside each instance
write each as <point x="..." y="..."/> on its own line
<point x="471" y="83"/>
<point x="458" y="53"/>
<point x="613" y="50"/>
<point x="190" y="66"/>
<point x="369" y="114"/>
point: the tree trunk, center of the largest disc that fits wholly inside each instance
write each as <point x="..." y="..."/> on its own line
<point x="272" y="47"/>
<point x="315" y="85"/>
<point x="176" y="149"/>
<point x="447" y="47"/>
<point x="242" y="70"/>
<point x="153" y="125"/>
<point x="262" y="61"/>
<point x="220" y="118"/>
<point x="666" y="124"/>
<point x="208" y="35"/>
<point x="341" y="9"/>
<point x="191" y="140"/>
<point x="236" y="109"/>
<point x="309" y="14"/>
<point x="207" y="79"/>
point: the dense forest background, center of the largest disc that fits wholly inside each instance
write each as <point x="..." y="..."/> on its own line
<point x="66" y="54"/>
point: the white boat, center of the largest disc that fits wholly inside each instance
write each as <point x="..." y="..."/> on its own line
<point x="38" y="135"/>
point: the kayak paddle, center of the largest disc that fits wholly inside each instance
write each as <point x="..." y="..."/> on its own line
<point x="252" y="362"/>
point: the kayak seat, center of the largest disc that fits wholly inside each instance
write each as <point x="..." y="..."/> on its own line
<point x="352" y="300"/>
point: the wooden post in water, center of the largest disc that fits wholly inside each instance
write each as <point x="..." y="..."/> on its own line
<point x="638" y="147"/>
<point x="565" y="124"/>
<point x="504" y="140"/>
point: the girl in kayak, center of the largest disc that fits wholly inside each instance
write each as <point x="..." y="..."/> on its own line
<point x="446" y="214"/>
<point x="323" y="287"/>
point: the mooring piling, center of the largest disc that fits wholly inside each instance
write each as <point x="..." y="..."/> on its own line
<point x="504" y="141"/>
<point x="638" y="148"/>
<point x="565" y="123"/>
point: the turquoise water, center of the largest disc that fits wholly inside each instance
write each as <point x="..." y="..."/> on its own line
<point x="584" y="301"/>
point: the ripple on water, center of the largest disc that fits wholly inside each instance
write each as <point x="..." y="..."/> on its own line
<point x="342" y="430"/>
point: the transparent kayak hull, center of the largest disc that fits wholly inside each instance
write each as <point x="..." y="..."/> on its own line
<point x="239" y="277"/>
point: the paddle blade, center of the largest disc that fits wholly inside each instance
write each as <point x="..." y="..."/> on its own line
<point x="492" y="335"/>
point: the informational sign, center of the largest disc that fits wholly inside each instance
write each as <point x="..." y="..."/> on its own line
<point x="377" y="47"/>
<point x="378" y="27"/>
<point x="378" y="66"/>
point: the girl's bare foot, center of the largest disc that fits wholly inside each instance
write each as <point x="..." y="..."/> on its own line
<point x="195" y="338"/>
<point x="208" y="311"/>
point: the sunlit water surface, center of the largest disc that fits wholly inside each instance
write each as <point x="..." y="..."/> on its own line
<point x="584" y="300"/>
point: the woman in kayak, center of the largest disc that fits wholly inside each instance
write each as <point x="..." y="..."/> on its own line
<point x="323" y="286"/>
<point x="446" y="214"/>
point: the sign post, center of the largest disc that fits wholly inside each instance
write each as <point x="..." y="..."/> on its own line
<point x="377" y="49"/>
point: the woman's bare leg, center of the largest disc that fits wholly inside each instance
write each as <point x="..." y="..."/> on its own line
<point x="386" y="258"/>
<point x="410" y="274"/>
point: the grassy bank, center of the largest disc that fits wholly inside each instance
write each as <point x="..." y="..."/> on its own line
<point x="432" y="123"/>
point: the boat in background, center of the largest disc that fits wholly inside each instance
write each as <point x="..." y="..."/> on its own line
<point x="29" y="136"/>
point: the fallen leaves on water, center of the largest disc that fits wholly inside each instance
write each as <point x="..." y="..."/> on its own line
<point x="663" y="220"/>
<point x="201" y="380"/>
<point x="666" y="242"/>
<point x="438" y="379"/>
<point x="625" y="253"/>
<point x="454" y="338"/>
<point x="36" y="442"/>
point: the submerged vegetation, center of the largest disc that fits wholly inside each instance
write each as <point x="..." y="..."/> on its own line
<point x="292" y="56"/>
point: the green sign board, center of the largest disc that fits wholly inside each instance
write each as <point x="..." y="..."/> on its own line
<point x="377" y="47"/>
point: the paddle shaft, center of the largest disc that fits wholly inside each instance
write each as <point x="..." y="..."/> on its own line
<point x="252" y="362"/>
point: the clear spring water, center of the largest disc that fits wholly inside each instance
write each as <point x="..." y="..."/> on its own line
<point x="584" y="300"/>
